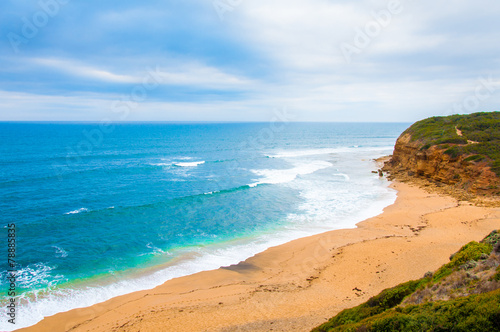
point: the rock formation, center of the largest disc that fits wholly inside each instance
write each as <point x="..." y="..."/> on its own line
<point x="440" y="162"/>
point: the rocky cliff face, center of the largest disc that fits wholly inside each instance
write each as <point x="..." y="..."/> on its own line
<point x="433" y="163"/>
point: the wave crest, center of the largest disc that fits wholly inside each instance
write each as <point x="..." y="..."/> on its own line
<point x="276" y="176"/>
<point x="189" y="164"/>
<point x="78" y="211"/>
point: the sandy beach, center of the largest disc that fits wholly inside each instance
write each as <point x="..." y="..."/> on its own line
<point x="301" y="284"/>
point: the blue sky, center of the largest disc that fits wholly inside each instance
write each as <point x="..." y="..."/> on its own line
<point x="242" y="60"/>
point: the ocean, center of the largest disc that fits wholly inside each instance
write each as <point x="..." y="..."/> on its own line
<point x="103" y="210"/>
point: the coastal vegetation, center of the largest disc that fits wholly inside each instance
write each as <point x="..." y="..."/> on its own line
<point x="463" y="295"/>
<point x="476" y="136"/>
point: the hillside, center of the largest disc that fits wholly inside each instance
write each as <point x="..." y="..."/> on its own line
<point x="458" y="150"/>
<point x="463" y="295"/>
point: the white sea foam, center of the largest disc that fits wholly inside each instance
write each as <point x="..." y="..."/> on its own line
<point x="303" y="153"/>
<point x="166" y="162"/>
<point x="60" y="252"/>
<point x="161" y="164"/>
<point x="156" y="250"/>
<point x="345" y="176"/>
<point x="212" y="192"/>
<point x="78" y="211"/>
<point x="36" y="275"/>
<point x="326" y="151"/>
<point x="275" y="176"/>
<point x="189" y="164"/>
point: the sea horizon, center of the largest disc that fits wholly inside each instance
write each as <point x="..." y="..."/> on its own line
<point x="195" y="122"/>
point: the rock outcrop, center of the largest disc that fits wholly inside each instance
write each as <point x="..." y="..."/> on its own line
<point x="414" y="157"/>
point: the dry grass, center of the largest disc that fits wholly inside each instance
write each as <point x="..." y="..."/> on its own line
<point x="463" y="282"/>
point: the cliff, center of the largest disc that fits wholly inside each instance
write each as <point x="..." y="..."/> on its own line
<point x="458" y="150"/>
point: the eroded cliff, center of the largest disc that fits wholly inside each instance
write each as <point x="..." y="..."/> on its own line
<point x="457" y="150"/>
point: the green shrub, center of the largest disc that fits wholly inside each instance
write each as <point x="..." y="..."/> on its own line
<point x="453" y="152"/>
<point x="493" y="238"/>
<point x="497" y="275"/>
<point x="387" y="299"/>
<point x="476" y="157"/>
<point x="483" y="128"/>
<point x="391" y="297"/>
<point x="426" y="146"/>
<point x="470" y="252"/>
<point x="467" y="314"/>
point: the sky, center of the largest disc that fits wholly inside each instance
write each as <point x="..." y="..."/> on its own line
<point x="247" y="60"/>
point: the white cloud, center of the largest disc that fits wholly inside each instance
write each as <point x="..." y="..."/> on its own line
<point x="83" y="71"/>
<point x="194" y="74"/>
<point x="19" y="106"/>
<point x="188" y="73"/>
<point x="297" y="33"/>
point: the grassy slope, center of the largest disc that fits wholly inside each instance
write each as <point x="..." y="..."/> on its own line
<point x="474" y="271"/>
<point x="483" y="128"/>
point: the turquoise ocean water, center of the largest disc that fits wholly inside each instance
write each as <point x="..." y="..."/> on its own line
<point x="103" y="211"/>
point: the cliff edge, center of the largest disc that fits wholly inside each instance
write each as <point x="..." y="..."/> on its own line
<point x="458" y="150"/>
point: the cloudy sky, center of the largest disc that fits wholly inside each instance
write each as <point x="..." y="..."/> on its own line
<point x="242" y="60"/>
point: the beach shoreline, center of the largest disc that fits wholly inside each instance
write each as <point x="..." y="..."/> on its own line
<point x="299" y="285"/>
